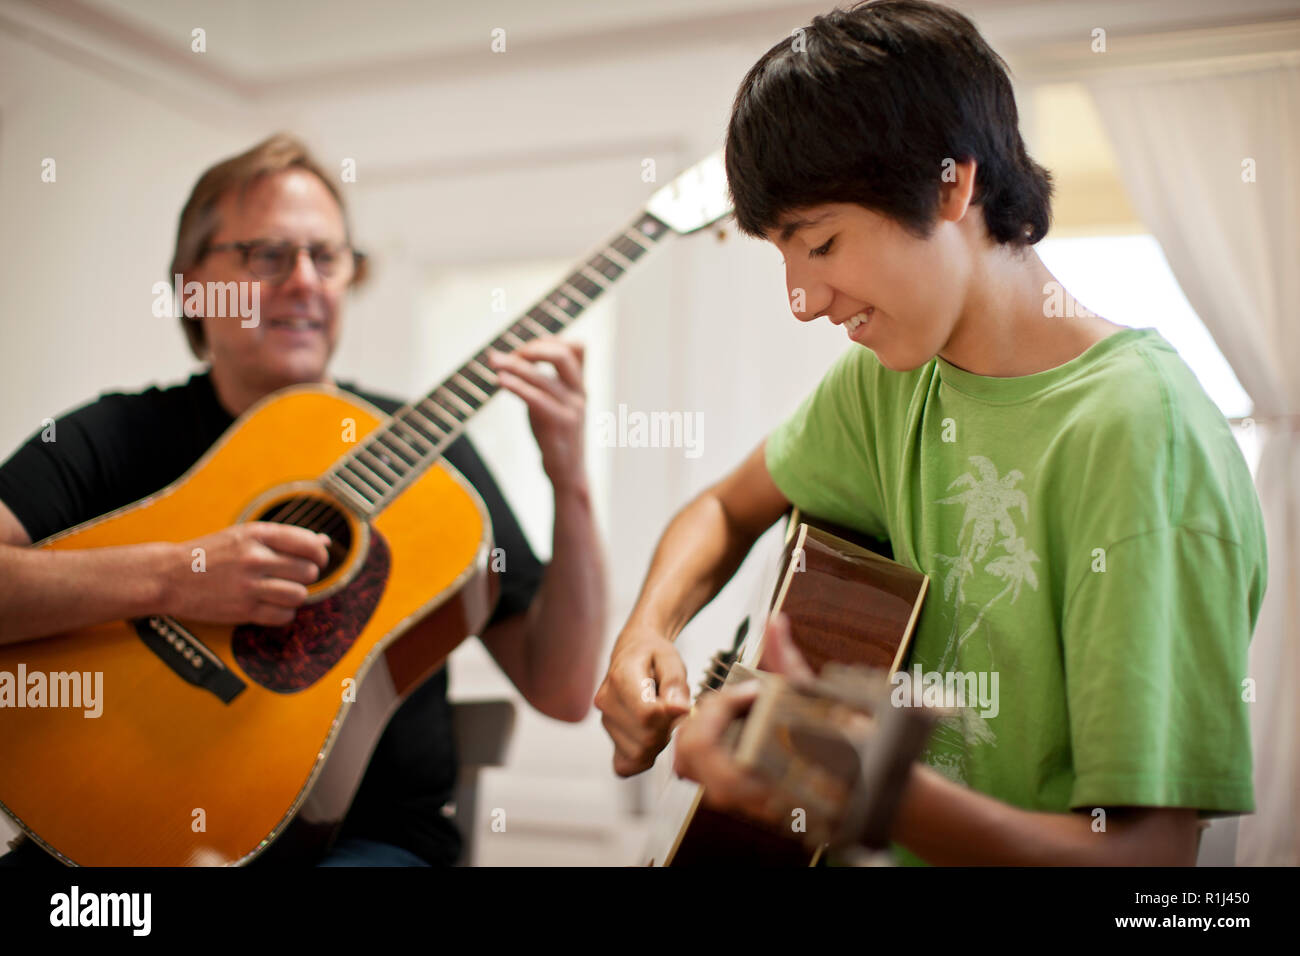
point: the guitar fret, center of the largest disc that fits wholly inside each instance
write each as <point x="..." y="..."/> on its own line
<point x="651" y="227"/>
<point x="478" y="385"/>
<point x="613" y="255"/>
<point x="442" y="413"/>
<point x="595" y="276"/>
<point x="346" y="490"/>
<point x="551" y="311"/>
<point x="382" y="450"/>
<point x="569" y="308"/>
<point x="632" y="239"/>
<point x="380" y="465"/>
<point x="511" y="346"/>
<point x="387" y="459"/>
<point x="469" y="409"/>
<point x="575" y="292"/>
<point x="430" y="431"/>
<point x="357" y="466"/>
<point x="584" y="285"/>
<point x="531" y="327"/>
<point x="352" y="481"/>
<point x="489" y="377"/>
<point x="432" y="437"/>
<point x="408" y="451"/>
<point x="461" y="394"/>
<point x="611" y="270"/>
<point x="543" y="318"/>
<point x="386" y="453"/>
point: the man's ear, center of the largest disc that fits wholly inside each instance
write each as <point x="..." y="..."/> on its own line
<point x="956" y="188"/>
<point x="362" y="272"/>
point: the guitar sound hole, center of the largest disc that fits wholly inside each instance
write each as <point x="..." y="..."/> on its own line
<point x="315" y="513"/>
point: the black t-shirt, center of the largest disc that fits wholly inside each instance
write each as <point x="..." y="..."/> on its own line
<point x="123" y="447"/>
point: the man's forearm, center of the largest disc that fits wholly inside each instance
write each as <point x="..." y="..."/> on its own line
<point x="566" y="623"/>
<point x="947" y="824"/>
<point x="44" y="592"/>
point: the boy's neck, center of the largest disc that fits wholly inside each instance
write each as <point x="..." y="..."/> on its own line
<point x="1003" y="330"/>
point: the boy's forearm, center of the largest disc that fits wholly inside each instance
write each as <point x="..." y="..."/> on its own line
<point x="697" y="555"/>
<point x="44" y="592"/>
<point x="947" y="824"/>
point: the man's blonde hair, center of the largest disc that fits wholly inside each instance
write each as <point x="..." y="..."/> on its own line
<point x="199" y="221"/>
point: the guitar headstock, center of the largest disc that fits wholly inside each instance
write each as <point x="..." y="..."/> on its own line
<point x="694" y="200"/>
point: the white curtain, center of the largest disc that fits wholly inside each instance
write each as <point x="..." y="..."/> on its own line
<point x="1210" y="155"/>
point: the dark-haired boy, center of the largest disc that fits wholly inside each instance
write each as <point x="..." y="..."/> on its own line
<point x="1089" y="524"/>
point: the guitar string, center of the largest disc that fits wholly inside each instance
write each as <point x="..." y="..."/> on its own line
<point x="292" y="517"/>
<point x="300" y="521"/>
<point x="333" y="519"/>
<point x="323" y="509"/>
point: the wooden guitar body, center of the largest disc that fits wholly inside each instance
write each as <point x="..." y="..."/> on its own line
<point x="211" y="739"/>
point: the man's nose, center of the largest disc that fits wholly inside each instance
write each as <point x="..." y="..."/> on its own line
<point x="303" y="272"/>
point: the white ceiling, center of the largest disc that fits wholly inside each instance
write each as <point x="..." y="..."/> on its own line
<point x="258" y="47"/>
<point x="277" y="38"/>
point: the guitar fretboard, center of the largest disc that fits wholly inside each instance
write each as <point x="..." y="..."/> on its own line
<point x="417" y="435"/>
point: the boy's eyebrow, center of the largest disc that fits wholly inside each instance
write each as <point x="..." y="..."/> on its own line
<point x="794" y="225"/>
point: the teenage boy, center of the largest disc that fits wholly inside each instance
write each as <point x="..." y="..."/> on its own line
<point x="1089" y="525"/>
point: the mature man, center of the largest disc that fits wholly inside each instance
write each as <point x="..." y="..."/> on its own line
<point x="272" y="215"/>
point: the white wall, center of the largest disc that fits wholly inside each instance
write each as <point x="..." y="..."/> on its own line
<point x="79" y="256"/>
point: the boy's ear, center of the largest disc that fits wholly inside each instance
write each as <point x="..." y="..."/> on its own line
<point x="956" y="187"/>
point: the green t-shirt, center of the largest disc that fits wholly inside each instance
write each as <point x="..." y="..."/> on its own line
<point x="1092" y="536"/>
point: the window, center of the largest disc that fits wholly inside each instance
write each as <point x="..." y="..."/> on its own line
<point x="1100" y="250"/>
<point x="1127" y="280"/>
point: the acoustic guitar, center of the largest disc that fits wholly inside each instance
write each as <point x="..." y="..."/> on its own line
<point x="213" y="739"/>
<point x="848" y="603"/>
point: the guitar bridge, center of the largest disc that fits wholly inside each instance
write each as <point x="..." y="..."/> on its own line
<point x="187" y="656"/>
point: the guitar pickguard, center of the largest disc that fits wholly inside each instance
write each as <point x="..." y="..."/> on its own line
<point x="295" y="656"/>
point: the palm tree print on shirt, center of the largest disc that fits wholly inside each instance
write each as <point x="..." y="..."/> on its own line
<point x="988" y="522"/>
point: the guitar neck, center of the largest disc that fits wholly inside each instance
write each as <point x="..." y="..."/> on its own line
<point x="417" y="435"/>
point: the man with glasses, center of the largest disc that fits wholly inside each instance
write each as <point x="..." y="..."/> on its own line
<point x="272" y="216"/>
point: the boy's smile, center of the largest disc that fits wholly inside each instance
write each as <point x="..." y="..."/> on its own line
<point x="853" y="323"/>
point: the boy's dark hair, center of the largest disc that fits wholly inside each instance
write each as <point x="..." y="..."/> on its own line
<point x="865" y="105"/>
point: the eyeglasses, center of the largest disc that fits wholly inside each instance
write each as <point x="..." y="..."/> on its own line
<point x="275" y="260"/>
